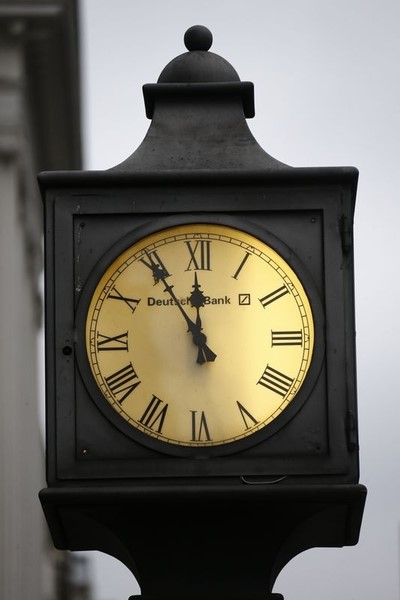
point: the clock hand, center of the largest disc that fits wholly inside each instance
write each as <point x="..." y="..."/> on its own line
<point x="204" y="354"/>
<point x="197" y="300"/>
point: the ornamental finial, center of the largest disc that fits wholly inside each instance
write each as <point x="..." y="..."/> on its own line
<point x="198" y="37"/>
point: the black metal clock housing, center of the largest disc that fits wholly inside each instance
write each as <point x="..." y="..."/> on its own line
<point x="200" y="301"/>
<point x="305" y="215"/>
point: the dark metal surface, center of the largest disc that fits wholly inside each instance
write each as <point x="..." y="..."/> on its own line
<point x="196" y="541"/>
<point x="84" y="224"/>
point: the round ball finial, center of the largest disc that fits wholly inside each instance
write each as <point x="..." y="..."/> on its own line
<point x="198" y="37"/>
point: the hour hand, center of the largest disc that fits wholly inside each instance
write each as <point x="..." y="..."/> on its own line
<point x="197" y="300"/>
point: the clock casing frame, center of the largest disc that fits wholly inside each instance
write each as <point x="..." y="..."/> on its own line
<point x="309" y="209"/>
<point x="152" y="393"/>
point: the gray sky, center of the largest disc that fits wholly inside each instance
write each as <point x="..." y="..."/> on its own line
<point x="327" y="92"/>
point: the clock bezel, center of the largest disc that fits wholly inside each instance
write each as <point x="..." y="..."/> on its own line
<point x="158" y="225"/>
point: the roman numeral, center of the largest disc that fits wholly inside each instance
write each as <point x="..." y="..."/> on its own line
<point x="276" y="381"/>
<point x="116" y="342"/>
<point x="156" y="265"/>
<point x="154" y="415"/>
<point x="240" y="267"/>
<point x="123" y="382"/>
<point x="200" y="255"/>
<point x="287" y="338"/>
<point x="131" y="302"/>
<point x="246" y="416"/>
<point x="200" y="431"/>
<point x="275" y="295"/>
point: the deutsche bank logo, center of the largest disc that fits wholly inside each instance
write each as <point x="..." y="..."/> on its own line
<point x="244" y="299"/>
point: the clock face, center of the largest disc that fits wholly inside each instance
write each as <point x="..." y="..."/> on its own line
<point x="199" y="336"/>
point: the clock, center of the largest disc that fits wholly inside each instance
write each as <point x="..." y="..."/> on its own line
<point x="200" y="335"/>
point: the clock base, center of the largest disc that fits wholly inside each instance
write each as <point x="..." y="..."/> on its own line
<point x="201" y="541"/>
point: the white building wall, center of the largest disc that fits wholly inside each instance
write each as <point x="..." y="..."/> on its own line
<point x="39" y="130"/>
<point x="22" y="532"/>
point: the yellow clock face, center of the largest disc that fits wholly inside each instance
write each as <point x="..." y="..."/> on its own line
<point x="199" y="335"/>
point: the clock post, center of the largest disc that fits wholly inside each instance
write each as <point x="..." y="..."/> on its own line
<point x="200" y="348"/>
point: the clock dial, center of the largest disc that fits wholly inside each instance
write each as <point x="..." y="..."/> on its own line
<point x="199" y="335"/>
